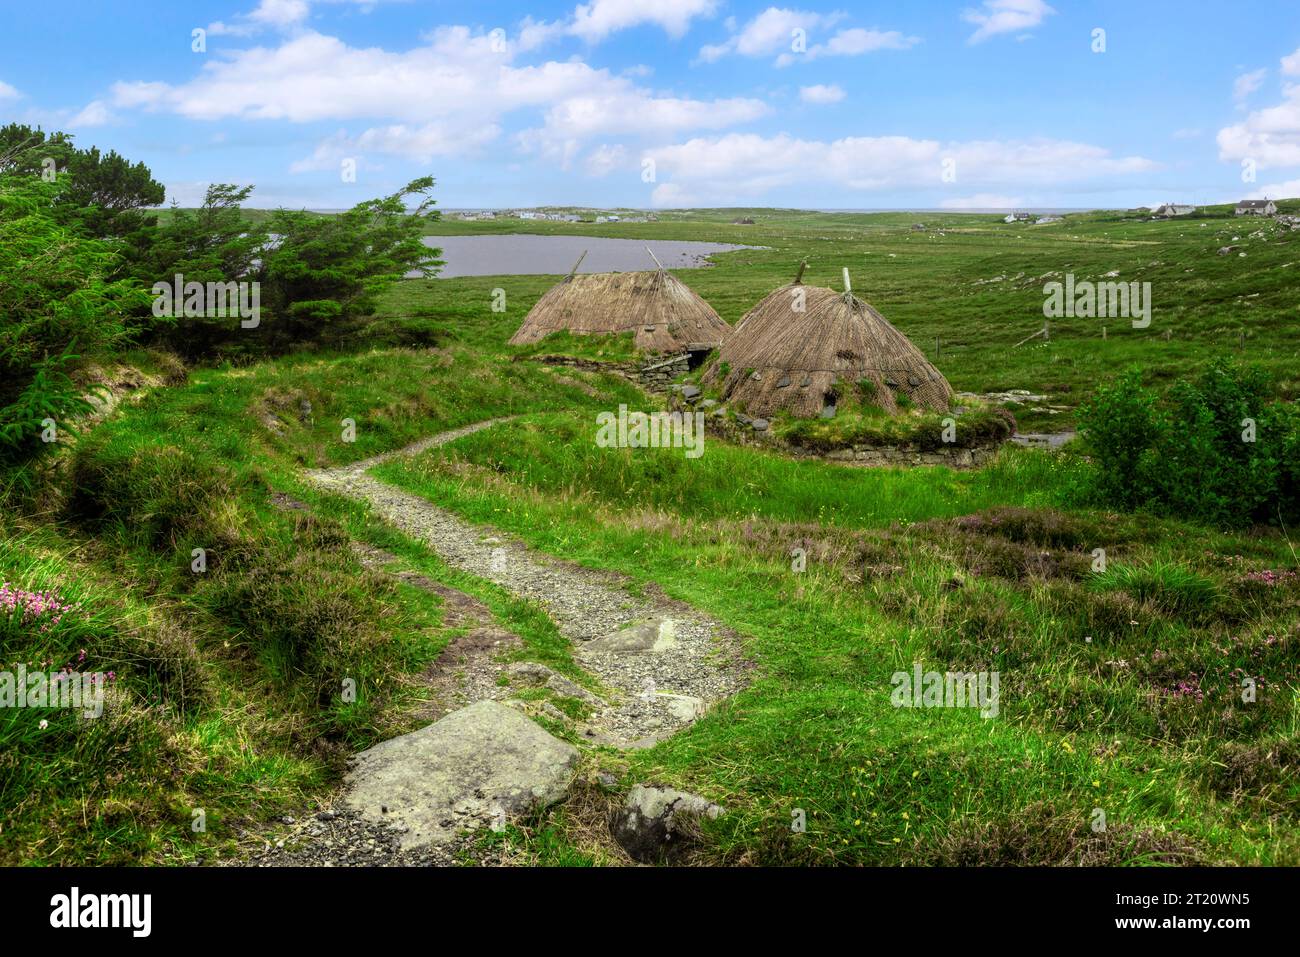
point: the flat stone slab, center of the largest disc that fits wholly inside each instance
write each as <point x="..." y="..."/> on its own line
<point x="638" y="637"/>
<point x="475" y="767"/>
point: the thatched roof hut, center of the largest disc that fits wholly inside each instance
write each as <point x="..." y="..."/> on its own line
<point x="662" y="311"/>
<point x="803" y="348"/>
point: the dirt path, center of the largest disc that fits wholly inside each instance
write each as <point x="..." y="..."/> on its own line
<point x="661" y="663"/>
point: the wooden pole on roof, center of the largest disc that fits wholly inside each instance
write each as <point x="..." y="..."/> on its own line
<point x="576" y="265"/>
<point x="798" y="277"/>
<point x="848" y="286"/>
<point x="655" y="258"/>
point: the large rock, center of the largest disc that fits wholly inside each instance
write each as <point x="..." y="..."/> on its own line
<point x="659" y="824"/>
<point x="474" y="768"/>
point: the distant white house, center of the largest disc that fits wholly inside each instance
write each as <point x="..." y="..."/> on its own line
<point x="1047" y="219"/>
<point x="1017" y="218"/>
<point x="1168" y="210"/>
<point x="529" y="214"/>
<point x="1256" y="207"/>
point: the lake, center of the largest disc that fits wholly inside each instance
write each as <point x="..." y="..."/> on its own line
<point x="522" y="254"/>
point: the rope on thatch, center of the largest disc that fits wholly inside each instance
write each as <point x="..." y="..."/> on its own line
<point x="655" y="258"/>
<point x="574" y="270"/>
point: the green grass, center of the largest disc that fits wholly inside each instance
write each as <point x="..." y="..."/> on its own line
<point x="232" y="679"/>
<point x="1097" y="707"/>
<point x="557" y="454"/>
<point x="1122" y="689"/>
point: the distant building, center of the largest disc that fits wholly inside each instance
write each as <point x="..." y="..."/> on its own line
<point x="1017" y="218"/>
<point x="743" y="221"/>
<point x="1256" y="207"/>
<point x="1168" y="210"/>
<point x="1047" y="219"/>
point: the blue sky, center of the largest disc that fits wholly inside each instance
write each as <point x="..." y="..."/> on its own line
<point x="665" y="103"/>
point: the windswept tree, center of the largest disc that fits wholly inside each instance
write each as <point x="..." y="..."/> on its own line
<point x="106" y="194"/>
<point x="56" y="303"/>
<point x="215" y="243"/>
<point x="321" y="273"/>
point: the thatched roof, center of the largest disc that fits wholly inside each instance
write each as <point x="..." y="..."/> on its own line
<point x="666" y="316"/>
<point x="780" y="358"/>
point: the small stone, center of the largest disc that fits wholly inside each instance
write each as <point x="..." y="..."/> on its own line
<point x="759" y="425"/>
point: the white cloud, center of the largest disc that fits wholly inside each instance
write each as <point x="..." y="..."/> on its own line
<point x="821" y="93"/>
<point x="537" y="33"/>
<point x="446" y="97"/>
<point x="1005" y="16"/>
<point x="769" y="33"/>
<point x="596" y="20"/>
<point x="1270" y="137"/>
<point x="670" y="195"/>
<point x="418" y="143"/>
<point x="605" y="159"/>
<point x="1248" y="83"/>
<point x="857" y="41"/>
<point x="8" y="92"/>
<point x="983" y="201"/>
<point x="1291" y="64"/>
<point x="280" y="13"/>
<point x="747" y="165"/>
<point x="277" y="15"/>
<point x="1287" y="190"/>
<point x="636" y="111"/>
<point x="94" y="113"/>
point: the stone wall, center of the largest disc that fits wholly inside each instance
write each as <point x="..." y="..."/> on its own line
<point x="951" y="456"/>
<point x="865" y="456"/>
<point x="658" y="375"/>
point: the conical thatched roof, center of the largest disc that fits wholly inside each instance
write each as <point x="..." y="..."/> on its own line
<point x="665" y="314"/>
<point x="781" y="358"/>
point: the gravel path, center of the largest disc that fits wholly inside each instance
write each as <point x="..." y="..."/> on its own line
<point x="662" y="663"/>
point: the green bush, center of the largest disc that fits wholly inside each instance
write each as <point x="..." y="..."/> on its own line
<point x="1218" y="449"/>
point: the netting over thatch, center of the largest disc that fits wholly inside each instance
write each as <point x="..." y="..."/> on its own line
<point x="804" y="348"/>
<point x="659" y="308"/>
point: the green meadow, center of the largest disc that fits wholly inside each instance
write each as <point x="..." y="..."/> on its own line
<point x="1122" y="736"/>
